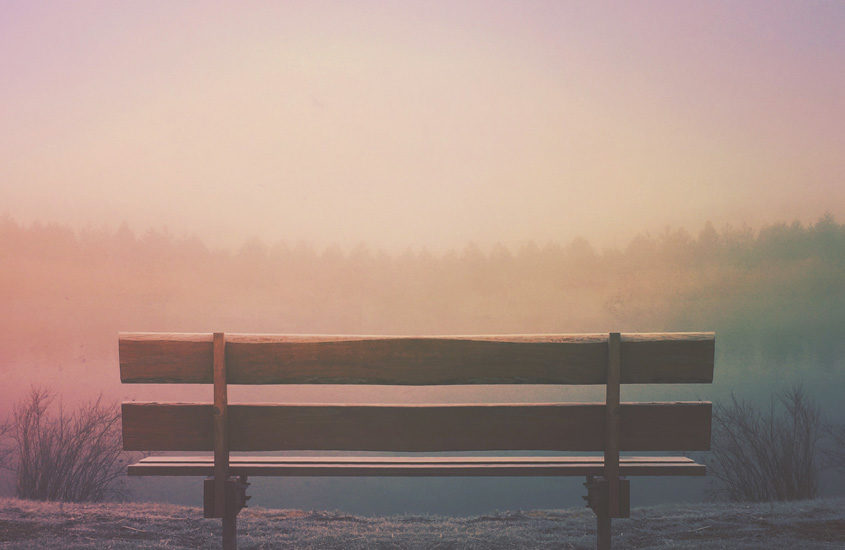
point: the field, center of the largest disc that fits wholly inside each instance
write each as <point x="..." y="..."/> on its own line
<point x="37" y="525"/>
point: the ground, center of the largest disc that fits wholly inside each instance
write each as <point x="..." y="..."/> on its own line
<point x="38" y="525"/>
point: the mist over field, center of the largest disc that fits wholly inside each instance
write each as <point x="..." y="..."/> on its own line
<point x="774" y="295"/>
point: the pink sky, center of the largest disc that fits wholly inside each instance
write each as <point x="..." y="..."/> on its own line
<point x="408" y="123"/>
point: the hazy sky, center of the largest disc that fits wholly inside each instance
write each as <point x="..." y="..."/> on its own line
<point x="399" y="123"/>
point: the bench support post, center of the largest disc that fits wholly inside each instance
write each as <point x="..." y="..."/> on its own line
<point x="603" y="531"/>
<point x="230" y="531"/>
<point x="611" y="425"/>
<point x="597" y="496"/>
<point x="235" y="500"/>
<point x="236" y="496"/>
<point x="224" y="505"/>
<point x="221" y="417"/>
<point x="608" y="495"/>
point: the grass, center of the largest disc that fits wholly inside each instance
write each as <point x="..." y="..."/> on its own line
<point x="51" y="525"/>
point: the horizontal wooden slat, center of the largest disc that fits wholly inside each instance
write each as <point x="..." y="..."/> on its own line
<point x="410" y="459"/>
<point x="416" y="466"/>
<point x="418" y="428"/>
<point x="417" y="360"/>
<point x="167" y="427"/>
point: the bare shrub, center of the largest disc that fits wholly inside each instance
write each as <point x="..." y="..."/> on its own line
<point x="6" y="448"/>
<point x="769" y="455"/>
<point x="69" y="456"/>
<point x="834" y="451"/>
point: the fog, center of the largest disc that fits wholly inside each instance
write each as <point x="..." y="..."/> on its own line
<point x="422" y="168"/>
<point x="773" y="295"/>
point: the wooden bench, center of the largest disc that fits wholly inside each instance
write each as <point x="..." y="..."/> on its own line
<point x="610" y="426"/>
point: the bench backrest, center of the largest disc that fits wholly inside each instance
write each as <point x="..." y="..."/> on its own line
<point x="509" y="359"/>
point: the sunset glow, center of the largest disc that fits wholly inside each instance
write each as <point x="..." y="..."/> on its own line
<point x="418" y="123"/>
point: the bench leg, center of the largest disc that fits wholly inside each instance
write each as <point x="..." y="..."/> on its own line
<point x="598" y="497"/>
<point x="603" y="531"/>
<point x="234" y="500"/>
<point x="230" y="531"/>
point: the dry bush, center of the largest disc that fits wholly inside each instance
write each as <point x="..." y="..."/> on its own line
<point x="68" y="456"/>
<point x="5" y="446"/>
<point x="834" y="452"/>
<point x="768" y="455"/>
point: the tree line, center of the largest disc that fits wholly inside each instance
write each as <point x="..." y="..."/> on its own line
<point x="774" y="295"/>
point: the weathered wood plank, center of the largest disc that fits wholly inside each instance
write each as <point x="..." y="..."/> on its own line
<point x="418" y="466"/>
<point x="417" y="360"/>
<point x="171" y="357"/>
<point x="167" y="427"/>
<point x="401" y="459"/>
<point x="418" y="428"/>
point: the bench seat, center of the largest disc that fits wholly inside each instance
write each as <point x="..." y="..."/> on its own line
<point x="416" y="466"/>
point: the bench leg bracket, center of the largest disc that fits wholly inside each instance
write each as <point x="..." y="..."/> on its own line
<point x="235" y="499"/>
<point x="598" y="490"/>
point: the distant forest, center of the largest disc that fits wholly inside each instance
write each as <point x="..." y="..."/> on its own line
<point x="775" y="295"/>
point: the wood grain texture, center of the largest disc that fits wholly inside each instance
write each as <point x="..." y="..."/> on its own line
<point x="417" y="466"/>
<point x="418" y="428"/>
<point x="417" y="360"/>
<point x="167" y="427"/>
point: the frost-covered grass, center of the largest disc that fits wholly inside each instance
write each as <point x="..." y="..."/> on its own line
<point x="807" y="524"/>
